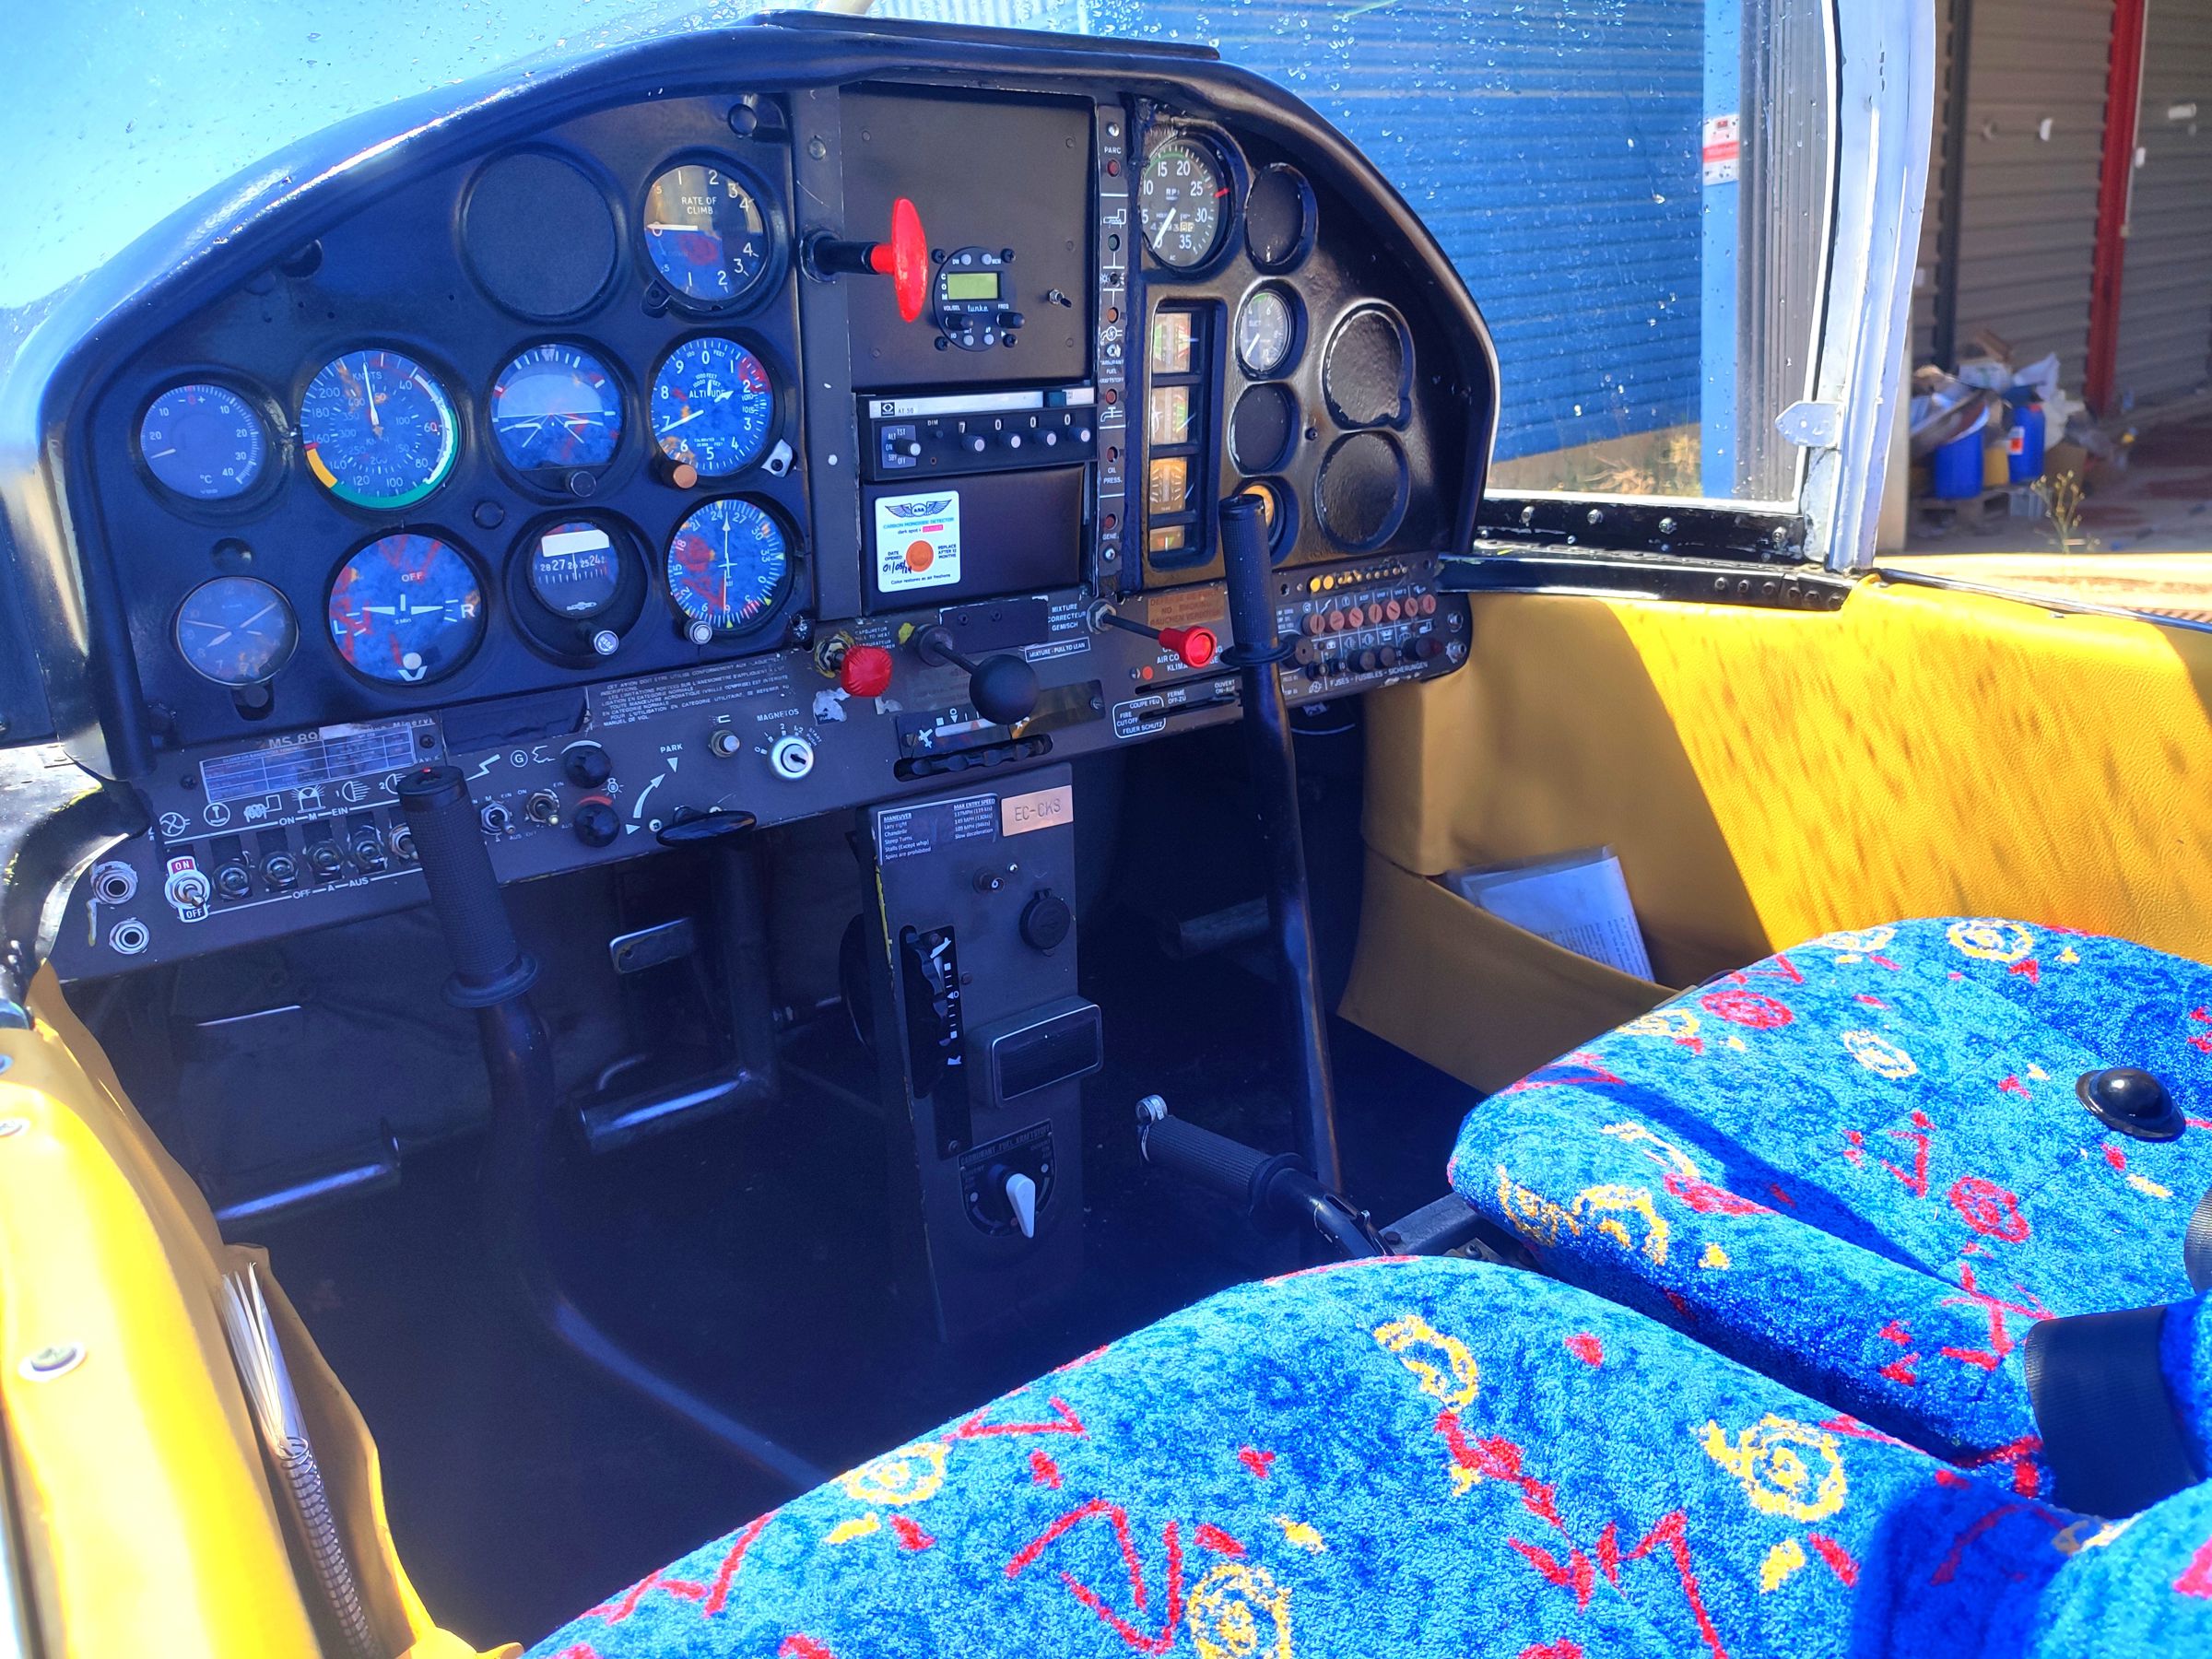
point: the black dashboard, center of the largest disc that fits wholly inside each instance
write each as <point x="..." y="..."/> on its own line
<point x="688" y="437"/>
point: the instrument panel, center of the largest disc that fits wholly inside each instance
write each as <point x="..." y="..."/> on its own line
<point x="659" y="428"/>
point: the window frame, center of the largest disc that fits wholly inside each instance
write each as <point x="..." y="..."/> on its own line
<point x="1881" y="65"/>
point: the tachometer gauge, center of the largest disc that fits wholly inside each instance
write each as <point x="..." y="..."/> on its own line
<point x="1267" y="333"/>
<point x="377" y="431"/>
<point x="1183" y="202"/>
<point x="236" y="630"/>
<point x="706" y="232"/>
<point x="729" y="564"/>
<point x="204" y="441"/>
<point x="407" y="609"/>
<point x="556" y="408"/>
<point x="712" y="405"/>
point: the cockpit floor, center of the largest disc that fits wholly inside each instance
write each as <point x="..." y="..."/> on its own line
<point x="750" y="1256"/>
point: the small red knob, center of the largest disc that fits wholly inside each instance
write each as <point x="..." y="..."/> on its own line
<point x="904" y="259"/>
<point x="1195" y="646"/>
<point x="865" y="672"/>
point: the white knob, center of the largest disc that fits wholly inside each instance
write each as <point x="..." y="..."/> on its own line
<point x="1021" y="1196"/>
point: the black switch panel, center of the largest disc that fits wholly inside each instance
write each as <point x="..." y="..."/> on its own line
<point x="981" y="1079"/>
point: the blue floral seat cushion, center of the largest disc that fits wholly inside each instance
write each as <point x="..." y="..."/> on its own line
<point x="1413" y="1458"/>
<point x="1861" y="1166"/>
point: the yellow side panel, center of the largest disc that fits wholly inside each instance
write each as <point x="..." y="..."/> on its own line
<point x="147" y="1516"/>
<point x="1766" y="776"/>
<point x="1469" y="994"/>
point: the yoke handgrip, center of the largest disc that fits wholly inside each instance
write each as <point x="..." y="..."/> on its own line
<point x="488" y="963"/>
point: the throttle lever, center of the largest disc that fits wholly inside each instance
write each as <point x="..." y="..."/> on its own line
<point x="1004" y="688"/>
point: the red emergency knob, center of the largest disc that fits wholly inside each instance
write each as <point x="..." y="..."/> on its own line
<point x="1195" y="646"/>
<point x="865" y="672"/>
<point x="904" y="258"/>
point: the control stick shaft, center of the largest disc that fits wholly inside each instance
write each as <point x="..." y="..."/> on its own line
<point x="1257" y="655"/>
<point x="493" y="974"/>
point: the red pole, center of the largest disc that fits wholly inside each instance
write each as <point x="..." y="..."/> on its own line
<point x="2115" y="185"/>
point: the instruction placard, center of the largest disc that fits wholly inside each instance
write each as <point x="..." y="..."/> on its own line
<point x="917" y="541"/>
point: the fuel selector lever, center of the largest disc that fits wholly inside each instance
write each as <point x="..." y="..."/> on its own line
<point x="1004" y="688"/>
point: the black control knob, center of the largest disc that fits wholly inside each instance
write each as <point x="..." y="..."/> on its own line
<point x="1045" y="922"/>
<point x="586" y="765"/>
<point x="2126" y="1097"/>
<point x="1428" y="648"/>
<point x="1004" y="688"/>
<point x="595" y="824"/>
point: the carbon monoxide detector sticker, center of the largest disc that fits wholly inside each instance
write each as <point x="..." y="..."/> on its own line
<point x="917" y="541"/>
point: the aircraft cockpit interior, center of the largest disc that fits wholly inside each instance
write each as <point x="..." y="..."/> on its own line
<point x="744" y="757"/>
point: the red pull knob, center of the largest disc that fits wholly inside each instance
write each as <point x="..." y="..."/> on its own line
<point x="904" y="259"/>
<point x="865" y="672"/>
<point x="1195" y="646"/>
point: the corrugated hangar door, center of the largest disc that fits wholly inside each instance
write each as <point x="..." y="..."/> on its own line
<point x="1552" y="148"/>
<point x="2166" y="277"/>
<point x="2034" y="138"/>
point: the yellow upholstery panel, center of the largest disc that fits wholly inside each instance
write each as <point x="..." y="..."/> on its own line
<point x="146" y="1514"/>
<point x="1477" y="997"/>
<point x="1766" y="776"/>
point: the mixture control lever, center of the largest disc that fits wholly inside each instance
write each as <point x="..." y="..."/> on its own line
<point x="1192" y="647"/>
<point x="1004" y="688"/>
<point x="904" y="258"/>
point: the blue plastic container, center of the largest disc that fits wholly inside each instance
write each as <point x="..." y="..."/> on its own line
<point x="1955" y="470"/>
<point x="2024" y="444"/>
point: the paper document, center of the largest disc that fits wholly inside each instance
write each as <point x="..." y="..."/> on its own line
<point x="1578" y="901"/>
